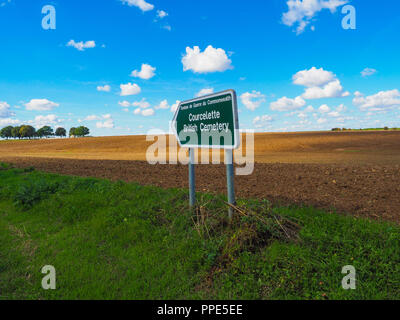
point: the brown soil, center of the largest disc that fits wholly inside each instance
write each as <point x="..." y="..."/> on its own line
<point x="362" y="190"/>
<point x="353" y="172"/>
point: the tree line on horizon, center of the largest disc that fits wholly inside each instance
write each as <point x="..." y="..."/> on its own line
<point x="29" y="132"/>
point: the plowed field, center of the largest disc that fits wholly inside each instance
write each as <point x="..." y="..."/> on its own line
<point x="355" y="173"/>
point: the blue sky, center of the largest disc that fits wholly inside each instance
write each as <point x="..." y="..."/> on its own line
<point x="292" y="64"/>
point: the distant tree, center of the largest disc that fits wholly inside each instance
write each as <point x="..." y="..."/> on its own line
<point x="72" y="131"/>
<point x="27" y="131"/>
<point x="6" y="132"/>
<point x="81" y="131"/>
<point x="61" y="132"/>
<point x="45" y="131"/>
<point x="15" y="133"/>
<point x="386" y="128"/>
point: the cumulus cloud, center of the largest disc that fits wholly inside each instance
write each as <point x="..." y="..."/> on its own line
<point x="287" y="104"/>
<point x="40" y="105"/>
<point x="81" y="46"/>
<point x="368" y="72"/>
<point x="141" y="4"/>
<point x="175" y="106"/>
<point x="331" y="90"/>
<point x="161" y="14"/>
<point x="107" y="124"/>
<point x="204" y="92"/>
<point x="124" y="103"/>
<point x="146" y="112"/>
<point x="9" y="122"/>
<point x="319" y="84"/>
<point x="324" y="109"/>
<point x="92" y="118"/>
<point x="141" y="104"/>
<point x="377" y="102"/>
<point x="41" y="121"/>
<point x="334" y="114"/>
<point x="146" y="73"/>
<point x="210" y="60"/>
<point x="309" y="109"/>
<point x="321" y="120"/>
<point x="129" y="89"/>
<point x="252" y="100"/>
<point x="313" y="77"/>
<point x="262" y="121"/>
<point x="163" y="105"/>
<point x="301" y="12"/>
<point x="105" y="88"/>
<point x="5" y="110"/>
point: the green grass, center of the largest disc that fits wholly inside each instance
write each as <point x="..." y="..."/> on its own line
<point x="113" y="240"/>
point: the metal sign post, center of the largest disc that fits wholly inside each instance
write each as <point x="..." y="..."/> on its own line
<point x="209" y="122"/>
<point x="192" y="179"/>
<point x="230" y="178"/>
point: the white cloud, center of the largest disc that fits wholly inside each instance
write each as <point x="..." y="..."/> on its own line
<point x="175" y="106"/>
<point x="92" y="118"/>
<point x="313" y="77"/>
<point x="146" y="112"/>
<point x="324" y="109"/>
<point x="5" y="110"/>
<point x="341" y="108"/>
<point x="321" y="121"/>
<point x="161" y="14"/>
<point x="141" y="4"/>
<point x="129" y="89"/>
<point x="210" y="60"/>
<point x="124" y="103"/>
<point x="262" y="121"/>
<point x="9" y="122"/>
<point x="105" y="88"/>
<point x="368" y="72"/>
<point x="141" y="104"/>
<point x="377" y="102"/>
<point x="309" y="109"/>
<point x="108" y="124"/>
<point x="40" y="105"/>
<point x="41" y="121"/>
<point x="287" y="104"/>
<point x="252" y="100"/>
<point x="334" y="114"/>
<point x="319" y="84"/>
<point x="167" y="27"/>
<point x="302" y="12"/>
<point x="163" y="105"/>
<point x="204" y="92"/>
<point x="146" y="73"/>
<point x="331" y="90"/>
<point x="81" y="46"/>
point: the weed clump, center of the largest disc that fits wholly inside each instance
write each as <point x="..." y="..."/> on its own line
<point x="32" y="191"/>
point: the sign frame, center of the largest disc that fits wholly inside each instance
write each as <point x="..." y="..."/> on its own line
<point x="236" y="131"/>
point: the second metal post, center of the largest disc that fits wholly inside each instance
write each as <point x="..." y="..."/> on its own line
<point x="230" y="179"/>
<point x="192" y="179"/>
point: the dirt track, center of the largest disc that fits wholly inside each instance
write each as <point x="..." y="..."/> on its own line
<point x="362" y="190"/>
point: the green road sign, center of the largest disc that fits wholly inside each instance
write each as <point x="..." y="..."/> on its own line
<point x="208" y="122"/>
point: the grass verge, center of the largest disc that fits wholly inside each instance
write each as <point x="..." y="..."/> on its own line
<point x="114" y="240"/>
